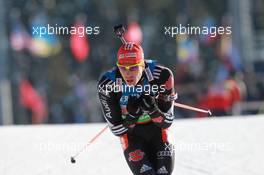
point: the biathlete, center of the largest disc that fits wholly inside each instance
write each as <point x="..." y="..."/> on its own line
<point x="137" y="98"/>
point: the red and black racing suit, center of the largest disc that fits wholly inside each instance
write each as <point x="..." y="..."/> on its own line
<point x="146" y="145"/>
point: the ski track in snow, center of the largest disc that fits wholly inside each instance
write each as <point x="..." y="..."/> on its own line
<point x="209" y="146"/>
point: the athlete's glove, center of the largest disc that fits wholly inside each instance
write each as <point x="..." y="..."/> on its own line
<point x="148" y="103"/>
<point x="134" y="111"/>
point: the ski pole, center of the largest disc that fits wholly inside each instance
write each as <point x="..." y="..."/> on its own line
<point x="192" y="108"/>
<point x="73" y="158"/>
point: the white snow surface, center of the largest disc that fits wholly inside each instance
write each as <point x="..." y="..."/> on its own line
<point x="208" y="146"/>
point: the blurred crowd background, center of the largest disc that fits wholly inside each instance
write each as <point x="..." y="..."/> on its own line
<point x="53" y="78"/>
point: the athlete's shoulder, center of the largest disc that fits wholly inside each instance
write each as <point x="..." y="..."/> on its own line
<point x="162" y="73"/>
<point x="105" y="83"/>
<point x="108" y="76"/>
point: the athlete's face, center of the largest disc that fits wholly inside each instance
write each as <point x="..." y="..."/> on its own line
<point x="132" y="73"/>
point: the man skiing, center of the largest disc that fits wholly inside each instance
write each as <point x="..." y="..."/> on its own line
<point x="137" y="98"/>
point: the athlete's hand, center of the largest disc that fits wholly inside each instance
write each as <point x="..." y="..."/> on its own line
<point x="133" y="107"/>
<point x="148" y="103"/>
<point x="134" y="111"/>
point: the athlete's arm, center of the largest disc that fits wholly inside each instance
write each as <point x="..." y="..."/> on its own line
<point x="110" y="107"/>
<point x="161" y="108"/>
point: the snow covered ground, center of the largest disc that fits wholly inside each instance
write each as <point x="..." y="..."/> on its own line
<point x="215" y="146"/>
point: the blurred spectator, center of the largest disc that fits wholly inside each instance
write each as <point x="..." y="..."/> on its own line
<point x="221" y="97"/>
<point x="33" y="101"/>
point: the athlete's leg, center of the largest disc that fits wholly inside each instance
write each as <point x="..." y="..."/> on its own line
<point x="164" y="153"/>
<point x="136" y="155"/>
